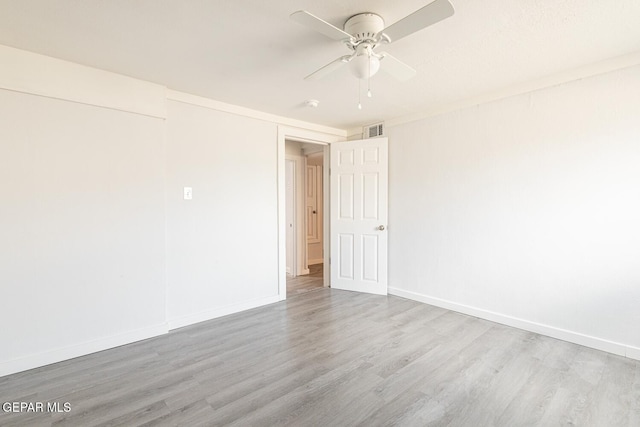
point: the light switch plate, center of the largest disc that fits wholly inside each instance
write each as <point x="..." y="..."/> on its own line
<point x="188" y="193"/>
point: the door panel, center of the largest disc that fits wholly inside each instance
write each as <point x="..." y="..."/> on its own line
<point x="370" y="266"/>
<point x="359" y="182"/>
<point x="346" y="256"/>
<point x="313" y="235"/>
<point x="370" y="190"/>
<point x="314" y="213"/>
<point x="347" y="198"/>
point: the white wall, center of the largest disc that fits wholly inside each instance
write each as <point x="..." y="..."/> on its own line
<point x="525" y="211"/>
<point x="222" y="244"/>
<point x="293" y="148"/>
<point x="81" y="219"/>
<point x="97" y="246"/>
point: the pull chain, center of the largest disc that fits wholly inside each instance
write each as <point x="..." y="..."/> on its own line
<point x="369" y="77"/>
<point x="359" y="90"/>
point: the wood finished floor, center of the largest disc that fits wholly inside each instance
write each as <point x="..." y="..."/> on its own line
<point x="335" y="358"/>
<point x="309" y="282"/>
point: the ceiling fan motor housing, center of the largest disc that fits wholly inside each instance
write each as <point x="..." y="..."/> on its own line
<point x="363" y="32"/>
<point x="364" y="27"/>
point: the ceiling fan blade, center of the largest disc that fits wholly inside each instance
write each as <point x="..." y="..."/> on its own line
<point x="323" y="27"/>
<point x="395" y="67"/>
<point x="329" y="68"/>
<point x="434" y="12"/>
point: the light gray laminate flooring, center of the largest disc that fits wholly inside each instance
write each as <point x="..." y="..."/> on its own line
<point x="309" y="282"/>
<point x="335" y="358"/>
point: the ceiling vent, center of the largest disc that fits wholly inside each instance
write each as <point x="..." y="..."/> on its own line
<point x="373" y="131"/>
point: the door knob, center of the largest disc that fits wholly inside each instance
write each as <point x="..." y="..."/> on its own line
<point x="381" y="227"/>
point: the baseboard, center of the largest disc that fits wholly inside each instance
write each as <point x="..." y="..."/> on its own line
<point x="562" y="334"/>
<point x="633" y="353"/>
<point x="58" y="355"/>
<point x="202" y="316"/>
<point x="315" y="261"/>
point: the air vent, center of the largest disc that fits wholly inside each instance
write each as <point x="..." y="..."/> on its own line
<point x="373" y="131"/>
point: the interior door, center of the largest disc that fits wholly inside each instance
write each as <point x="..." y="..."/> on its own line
<point x="311" y="185"/>
<point x="359" y="183"/>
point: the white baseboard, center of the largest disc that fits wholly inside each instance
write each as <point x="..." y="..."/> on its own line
<point x="82" y="349"/>
<point x="202" y="316"/>
<point x="562" y="334"/>
<point x="633" y="353"/>
<point x="13" y="366"/>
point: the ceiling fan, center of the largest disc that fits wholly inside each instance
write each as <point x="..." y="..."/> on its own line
<point x="364" y="32"/>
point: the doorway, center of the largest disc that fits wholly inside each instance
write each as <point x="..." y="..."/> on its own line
<point x="317" y="137"/>
<point x="304" y="212"/>
<point x="307" y="283"/>
<point x="362" y="250"/>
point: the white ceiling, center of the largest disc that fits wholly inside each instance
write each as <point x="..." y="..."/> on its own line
<point x="249" y="53"/>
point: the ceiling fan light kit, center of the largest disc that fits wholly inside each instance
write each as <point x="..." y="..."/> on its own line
<point x="364" y="66"/>
<point x="364" y="32"/>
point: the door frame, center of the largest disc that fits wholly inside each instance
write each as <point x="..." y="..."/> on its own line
<point x="293" y="199"/>
<point x="301" y="135"/>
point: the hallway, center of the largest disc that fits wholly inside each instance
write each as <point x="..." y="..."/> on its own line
<point x="306" y="283"/>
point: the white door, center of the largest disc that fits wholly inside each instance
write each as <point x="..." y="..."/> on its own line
<point x="359" y="182"/>
<point x="314" y="216"/>
<point x="311" y="196"/>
